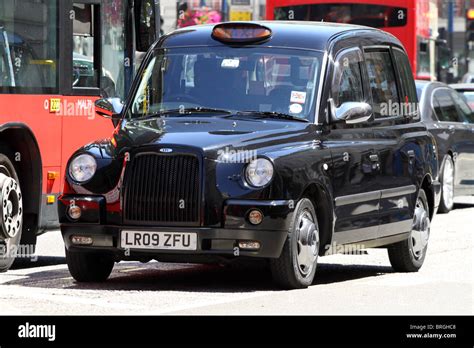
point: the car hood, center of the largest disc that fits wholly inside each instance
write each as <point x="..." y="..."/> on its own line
<point x="211" y="134"/>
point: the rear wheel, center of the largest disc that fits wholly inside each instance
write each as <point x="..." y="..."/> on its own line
<point x="447" y="184"/>
<point x="11" y="213"/>
<point x="409" y="255"/>
<point x="296" y="266"/>
<point x="89" y="267"/>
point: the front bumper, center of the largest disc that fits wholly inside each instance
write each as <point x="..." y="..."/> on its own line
<point x="211" y="241"/>
<point x="220" y="241"/>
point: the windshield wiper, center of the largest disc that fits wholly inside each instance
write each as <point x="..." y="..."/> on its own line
<point x="272" y="114"/>
<point x="187" y="112"/>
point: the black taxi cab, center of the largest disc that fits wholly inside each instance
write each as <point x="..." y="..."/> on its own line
<point x="282" y="141"/>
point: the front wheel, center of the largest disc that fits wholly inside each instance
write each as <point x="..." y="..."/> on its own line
<point x="409" y="255"/>
<point x="296" y="266"/>
<point x="11" y="213"/>
<point x="87" y="267"/>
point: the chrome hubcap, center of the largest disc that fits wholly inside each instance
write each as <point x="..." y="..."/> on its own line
<point x="307" y="244"/>
<point x="448" y="183"/>
<point x="421" y="230"/>
<point x="11" y="206"/>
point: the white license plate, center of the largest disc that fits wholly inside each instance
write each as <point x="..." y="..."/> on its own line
<point x="158" y="240"/>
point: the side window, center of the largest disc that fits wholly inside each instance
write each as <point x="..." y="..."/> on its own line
<point x="114" y="13"/>
<point x="444" y="106"/>
<point x="85" y="65"/>
<point x="408" y="92"/>
<point x="347" y="82"/>
<point x="28" y="46"/>
<point x="437" y="109"/>
<point x="466" y="113"/>
<point x="383" y="85"/>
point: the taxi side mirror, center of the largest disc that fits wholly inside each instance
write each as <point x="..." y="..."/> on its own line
<point x="109" y="108"/>
<point x="351" y="112"/>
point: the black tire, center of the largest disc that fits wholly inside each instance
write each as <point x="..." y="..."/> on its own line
<point x="7" y="244"/>
<point x="446" y="205"/>
<point x="88" y="267"/>
<point x="402" y="255"/>
<point x="286" y="270"/>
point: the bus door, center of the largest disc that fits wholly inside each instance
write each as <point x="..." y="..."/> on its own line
<point x="99" y="47"/>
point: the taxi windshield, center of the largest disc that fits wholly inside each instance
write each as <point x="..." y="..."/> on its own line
<point x="265" y="81"/>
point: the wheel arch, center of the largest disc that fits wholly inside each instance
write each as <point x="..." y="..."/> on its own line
<point x="450" y="152"/>
<point x="21" y="141"/>
<point x="426" y="185"/>
<point x="322" y="202"/>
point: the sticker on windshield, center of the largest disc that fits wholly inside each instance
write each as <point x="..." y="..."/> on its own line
<point x="298" y="97"/>
<point x="296" y="108"/>
<point x="230" y="63"/>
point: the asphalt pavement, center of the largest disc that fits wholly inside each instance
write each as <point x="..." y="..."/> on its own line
<point x="344" y="284"/>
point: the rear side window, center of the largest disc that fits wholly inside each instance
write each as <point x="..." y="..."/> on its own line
<point x="383" y="85"/>
<point x="347" y="83"/>
<point x="407" y="84"/>
<point x="444" y="106"/>
<point x="463" y="108"/>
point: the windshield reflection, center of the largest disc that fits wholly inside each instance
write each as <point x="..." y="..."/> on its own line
<point x="273" y="82"/>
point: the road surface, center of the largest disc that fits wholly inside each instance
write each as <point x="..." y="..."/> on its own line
<point x="344" y="284"/>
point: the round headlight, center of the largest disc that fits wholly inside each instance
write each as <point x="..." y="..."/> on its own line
<point x="82" y="168"/>
<point x="259" y="172"/>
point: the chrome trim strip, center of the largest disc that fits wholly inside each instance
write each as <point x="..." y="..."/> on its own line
<point x="360" y="235"/>
<point x="393" y="228"/>
<point x="357" y="198"/>
<point x="320" y="87"/>
<point x="373" y="195"/>
<point x="356" y="235"/>
<point x="398" y="191"/>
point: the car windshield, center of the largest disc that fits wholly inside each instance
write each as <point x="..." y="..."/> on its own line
<point x="267" y="81"/>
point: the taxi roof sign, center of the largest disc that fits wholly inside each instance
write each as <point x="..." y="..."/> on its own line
<point x="240" y="32"/>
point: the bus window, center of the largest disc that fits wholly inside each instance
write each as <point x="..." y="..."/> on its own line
<point x="28" y="46"/>
<point x="423" y="66"/>
<point x="85" y="73"/>
<point x="113" y="48"/>
<point x="376" y="16"/>
<point x="146" y="24"/>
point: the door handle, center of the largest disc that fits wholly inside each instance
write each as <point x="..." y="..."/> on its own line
<point x="451" y="127"/>
<point x="411" y="153"/>
<point x="374" y="158"/>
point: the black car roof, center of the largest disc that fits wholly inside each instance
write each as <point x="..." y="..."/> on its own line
<point x="295" y="34"/>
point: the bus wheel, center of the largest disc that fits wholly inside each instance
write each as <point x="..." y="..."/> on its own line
<point x="11" y="213"/>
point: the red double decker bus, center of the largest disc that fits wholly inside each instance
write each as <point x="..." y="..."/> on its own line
<point x="413" y="22"/>
<point x="56" y="58"/>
